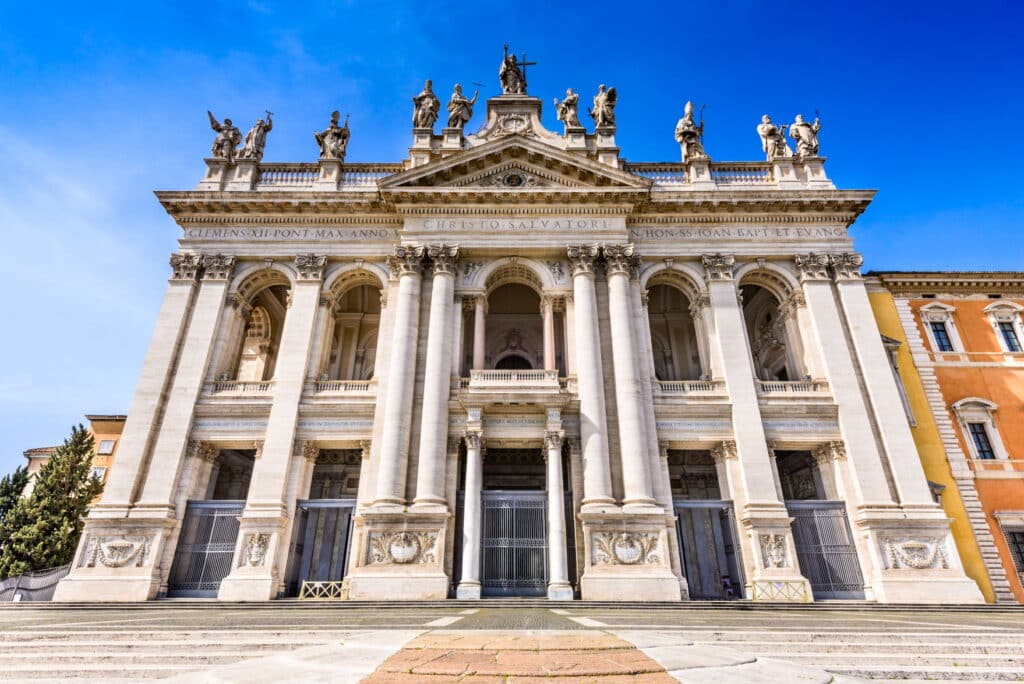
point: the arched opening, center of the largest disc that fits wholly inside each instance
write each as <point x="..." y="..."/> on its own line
<point x="513" y="362"/>
<point x="352" y="335"/>
<point x="256" y="350"/>
<point x="514" y="328"/>
<point x="771" y="335"/>
<point x="673" y="334"/>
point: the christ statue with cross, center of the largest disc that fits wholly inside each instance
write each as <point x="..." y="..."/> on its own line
<point x="513" y="73"/>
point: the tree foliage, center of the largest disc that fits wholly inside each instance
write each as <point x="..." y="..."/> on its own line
<point x="42" y="530"/>
<point x="11" y="487"/>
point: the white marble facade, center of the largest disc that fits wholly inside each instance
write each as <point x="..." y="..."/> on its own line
<point x="518" y="310"/>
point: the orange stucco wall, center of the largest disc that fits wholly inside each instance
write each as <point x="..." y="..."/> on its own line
<point x="988" y="376"/>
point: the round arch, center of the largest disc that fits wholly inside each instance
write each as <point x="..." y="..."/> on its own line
<point x="681" y="276"/>
<point x="347" y="276"/>
<point x="513" y="270"/>
<point x="251" y="281"/>
<point x="771" y="277"/>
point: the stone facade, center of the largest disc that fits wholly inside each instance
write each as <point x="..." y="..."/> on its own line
<point x="516" y="363"/>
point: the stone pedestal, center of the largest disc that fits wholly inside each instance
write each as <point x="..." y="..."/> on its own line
<point x="698" y="173"/>
<point x="576" y="138"/>
<point x="242" y="177"/>
<point x="784" y="172"/>
<point x="254" y="574"/>
<point x="451" y="139"/>
<point x="216" y="175"/>
<point x="398" y="556"/>
<point x="768" y="535"/>
<point x="604" y="145"/>
<point x="422" y="146"/>
<point x="627" y="558"/>
<point x="330" y="175"/>
<point x="814" y="173"/>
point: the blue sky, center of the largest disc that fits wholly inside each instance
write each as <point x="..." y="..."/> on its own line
<point x="101" y="103"/>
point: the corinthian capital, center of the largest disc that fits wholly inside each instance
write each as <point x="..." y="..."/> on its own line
<point x="217" y="266"/>
<point x="553" y="440"/>
<point x="847" y="266"/>
<point x="184" y="266"/>
<point x="811" y="266"/>
<point x="620" y="259"/>
<point x="310" y="266"/>
<point x="444" y="258"/>
<point x="473" y="439"/>
<point x="581" y="258"/>
<point x="726" y="449"/>
<point x="407" y="260"/>
<point x="718" y="266"/>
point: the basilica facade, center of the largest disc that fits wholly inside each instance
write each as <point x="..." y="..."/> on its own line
<point x="514" y="364"/>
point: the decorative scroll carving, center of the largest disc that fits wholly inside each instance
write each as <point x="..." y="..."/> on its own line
<point x="468" y="269"/>
<point x="184" y="266"/>
<point x="718" y="266"/>
<point x="473" y="440"/>
<point x="812" y="266"/>
<point x="116" y="552"/>
<point x="309" y="450"/>
<point x="402" y="548"/>
<point x="625" y="548"/>
<point x="310" y="266"/>
<point x="847" y="266"/>
<point x="203" y="450"/>
<point x="217" y="266"/>
<point x="915" y="554"/>
<point x="581" y="258"/>
<point x="723" y="450"/>
<point x="830" y="451"/>
<point x="773" y="549"/>
<point x="553" y="440"/>
<point x="514" y="178"/>
<point x="407" y="260"/>
<point x="444" y="258"/>
<point x="620" y="259"/>
<point x="256" y="545"/>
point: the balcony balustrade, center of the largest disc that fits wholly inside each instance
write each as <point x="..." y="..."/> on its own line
<point x="691" y="386"/>
<point x="234" y="387"/>
<point x="787" y="387"/>
<point x="344" y="386"/>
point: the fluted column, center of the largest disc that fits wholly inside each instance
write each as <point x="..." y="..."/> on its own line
<point x="636" y="480"/>
<point x="559" y="588"/>
<point x="437" y="384"/>
<point x="548" y="312"/>
<point x="597" y="487"/>
<point x="472" y="510"/>
<point x="407" y="265"/>
<point x="479" y="332"/>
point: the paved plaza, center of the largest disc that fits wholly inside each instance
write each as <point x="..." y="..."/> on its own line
<point x="507" y="642"/>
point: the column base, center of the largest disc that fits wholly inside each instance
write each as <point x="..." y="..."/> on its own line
<point x="397" y="587"/>
<point x="560" y="592"/>
<point x="468" y="591"/>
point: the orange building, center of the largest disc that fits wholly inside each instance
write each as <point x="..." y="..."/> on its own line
<point x="106" y="431"/>
<point x="966" y="337"/>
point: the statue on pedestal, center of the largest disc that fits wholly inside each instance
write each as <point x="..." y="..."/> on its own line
<point x="568" y="109"/>
<point x="806" y="136"/>
<point x="333" y="140"/>
<point x="690" y="135"/>
<point x="512" y="74"/>
<point x="460" y="108"/>
<point x="228" y="138"/>
<point x="256" y="138"/>
<point x="426" y="107"/>
<point x="603" y="110"/>
<point x="773" y="139"/>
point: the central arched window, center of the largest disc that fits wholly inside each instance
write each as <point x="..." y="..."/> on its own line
<point x="513" y="362"/>
<point x="673" y="335"/>
<point x="353" y="334"/>
<point x="514" y="328"/>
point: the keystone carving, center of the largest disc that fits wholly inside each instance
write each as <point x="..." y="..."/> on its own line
<point x="256" y="549"/>
<point x="773" y="548"/>
<point x="625" y="548"/>
<point x="407" y="260"/>
<point x="581" y="258"/>
<point x="402" y="548"/>
<point x="916" y="554"/>
<point x="847" y="266"/>
<point x="812" y="266"/>
<point x="718" y="266"/>
<point x="116" y="552"/>
<point x="217" y="266"/>
<point x="310" y="266"/>
<point x="184" y="266"/>
<point x="444" y="258"/>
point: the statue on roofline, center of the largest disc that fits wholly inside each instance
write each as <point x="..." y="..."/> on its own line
<point x="426" y="107"/>
<point x="512" y="74"/>
<point x="773" y="139"/>
<point x="256" y="138"/>
<point x="568" y="109"/>
<point x="806" y="136"/>
<point x="460" y="108"/>
<point x="690" y="135"/>
<point x="603" y="111"/>
<point x="333" y="140"/>
<point x="228" y="138"/>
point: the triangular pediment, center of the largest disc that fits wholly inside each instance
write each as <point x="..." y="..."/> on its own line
<point x="514" y="163"/>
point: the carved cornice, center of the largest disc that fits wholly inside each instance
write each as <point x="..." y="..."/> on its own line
<point x="846" y="266"/>
<point x="444" y="258"/>
<point x="811" y="266"/>
<point x="217" y="266"/>
<point x="718" y="266"/>
<point x="184" y="266"/>
<point x="310" y="266"/>
<point x="407" y="260"/>
<point x="582" y="258"/>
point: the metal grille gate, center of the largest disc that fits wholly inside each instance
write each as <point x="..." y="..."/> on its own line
<point x="825" y="549"/>
<point x="323" y="530"/>
<point x="705" y="531"/>
<point x="514" y="544"/>
<point x="206" y="547"/>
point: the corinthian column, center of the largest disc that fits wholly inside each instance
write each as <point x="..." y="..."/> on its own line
<point x="548" y="312"/>
<point x="479" y="331"/>
<point x="597" y="487"/>
<point x="472" y="509"/>
<point x="406" y="264"/>
<point x="636" y="480"/>
<point x="559" y="588"/>
<point x="436" y="387"/>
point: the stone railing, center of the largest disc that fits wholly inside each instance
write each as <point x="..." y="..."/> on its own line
<point x="776" y="387"/>
<point x="240" y="386"/>
<point x="511" y="379"/>
<point x="366" y="175"/>
<point x="303" y="176"/>
<point x="343" y="386"/>
<point x="675" y="175"/>
<point x="662" y="174"/>
<point x="691" y="386"/>
<point x="999" y="465"/>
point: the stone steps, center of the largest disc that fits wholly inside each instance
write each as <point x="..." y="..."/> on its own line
<point x="919" y="649"/>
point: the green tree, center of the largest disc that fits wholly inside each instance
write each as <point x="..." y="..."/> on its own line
<point x="11" y="487"/>
<point x="42" y="530"/>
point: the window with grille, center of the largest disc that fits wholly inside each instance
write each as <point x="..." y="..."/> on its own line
<point x="941" y="335"/>
<point x="1009" y="336"/>
<point x="982" y="444"/>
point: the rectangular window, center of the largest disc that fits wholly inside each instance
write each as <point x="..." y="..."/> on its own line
<point x="1009" y="336"/>
<point x="106" y="447"/>
<point x="982" y="445"/>
<point x="1015" y="540"/>
<point x="98" y="472"/>
<point x="941" y="336"/>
